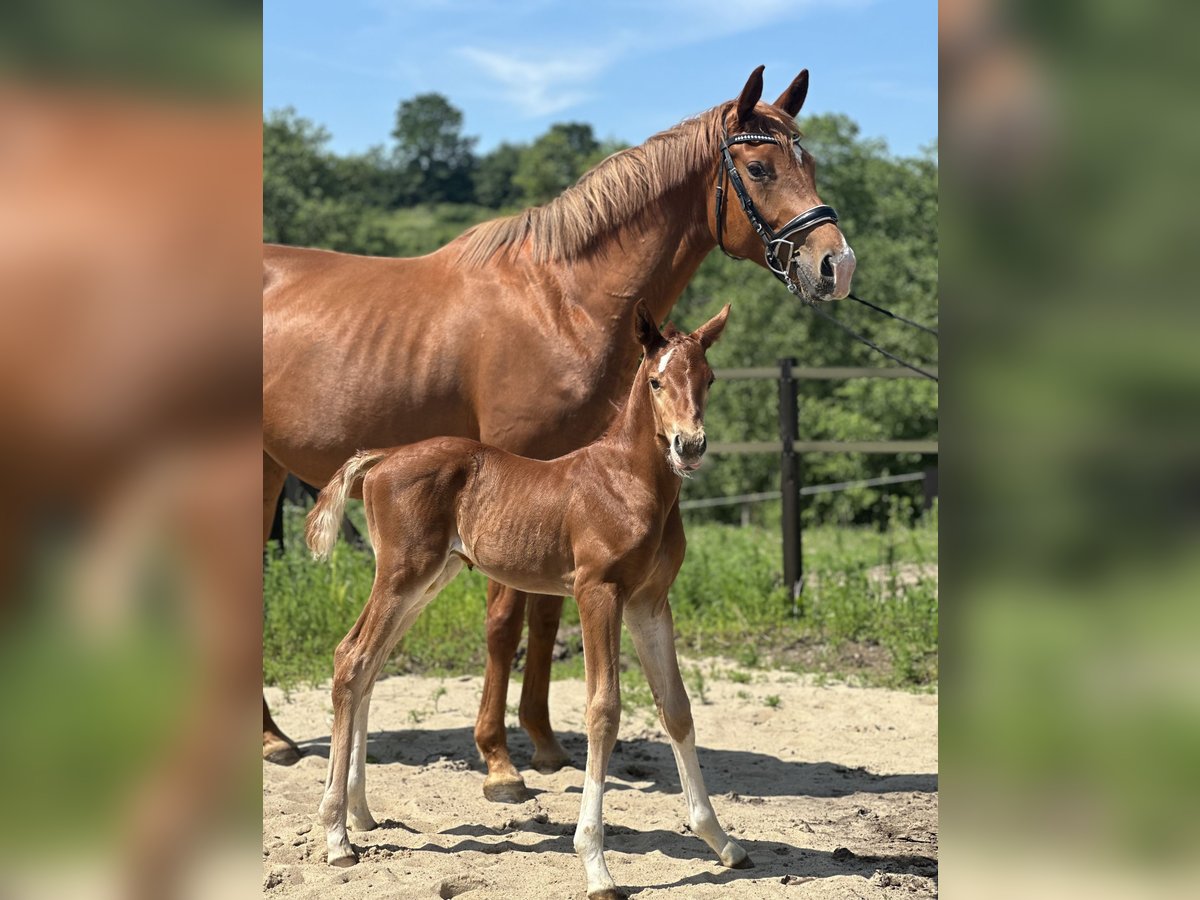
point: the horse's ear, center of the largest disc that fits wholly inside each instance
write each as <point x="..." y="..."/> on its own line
<point x="792" y="100"/>
<point x="646" y="328"/>
<point x="751" y="94"/>
<point x="710" y="331"/>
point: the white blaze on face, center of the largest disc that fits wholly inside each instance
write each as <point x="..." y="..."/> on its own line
<point x="662" y="365"/>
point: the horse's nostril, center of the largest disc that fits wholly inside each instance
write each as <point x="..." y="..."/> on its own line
<point x="827" y="265"/>
<point x="678" y="444"/>
<point x="703" y="444"/>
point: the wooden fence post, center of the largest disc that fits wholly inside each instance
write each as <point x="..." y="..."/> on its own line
<point x="789" y="481"/>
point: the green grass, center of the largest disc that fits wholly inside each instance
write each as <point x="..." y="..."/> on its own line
<point x="867" y="614"/>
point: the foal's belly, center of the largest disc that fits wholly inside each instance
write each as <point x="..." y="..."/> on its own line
<point x="535" y="570"/>
<point x="530" y="583"/>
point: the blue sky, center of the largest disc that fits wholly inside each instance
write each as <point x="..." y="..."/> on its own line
<point x="627" y="68"/>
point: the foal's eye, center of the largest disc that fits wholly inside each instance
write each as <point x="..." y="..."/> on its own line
<point x="711" y="379"/>
<point x="655" y="384"/>
<point x="757" y="170"/>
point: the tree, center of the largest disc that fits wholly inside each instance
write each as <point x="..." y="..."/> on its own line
<point x="555" y="161"/>
<point x="494" y="184"/>
<point x="431" y="148"/>
<point x="304" y="191"/>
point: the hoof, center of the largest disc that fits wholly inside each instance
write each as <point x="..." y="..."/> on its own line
<point x="735" y="857"/>
<point x="608" y="894"/>
<point x="506" y="790"/>
<point x="549" y="763"/>
<point x="343" y="859"/>
<point x="281" y="753"/>
<point x="362" y="823"/>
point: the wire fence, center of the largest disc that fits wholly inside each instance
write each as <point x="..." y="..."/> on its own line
<point x="806" y="491"/>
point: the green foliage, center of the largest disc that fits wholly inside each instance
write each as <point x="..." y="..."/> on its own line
<point x="495" y="186"/>
<point x="554" y="162"/>
<point x="309" y="194"/>
<point x="432" y="151"/>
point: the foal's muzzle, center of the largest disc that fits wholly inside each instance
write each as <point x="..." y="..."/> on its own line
<point x="688" y="452"/>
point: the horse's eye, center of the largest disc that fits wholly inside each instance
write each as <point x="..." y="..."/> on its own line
<point x="756" y="170"/>
<point x="655" y="384"/>
<point x="711" y="379"/>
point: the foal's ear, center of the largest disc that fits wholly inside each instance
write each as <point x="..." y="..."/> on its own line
<point x="792" y="100"/>
<point x="710" y="331"/>
<point x="751" y="94"/>
<point x="646" y="328"/>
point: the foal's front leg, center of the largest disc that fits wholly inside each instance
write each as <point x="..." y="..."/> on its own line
<point x="600" y="618"/>
<point x="654" y="637"/>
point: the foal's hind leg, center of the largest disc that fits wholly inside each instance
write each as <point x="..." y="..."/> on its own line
<point x="400" y="592"/>
<point x="654" y="637"/>
<point x="356" y="785"/>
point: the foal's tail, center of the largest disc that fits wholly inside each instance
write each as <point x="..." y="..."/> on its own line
<point x="325" y="519"/>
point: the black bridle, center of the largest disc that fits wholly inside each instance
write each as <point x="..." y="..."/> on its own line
<point x="773" y="241"/>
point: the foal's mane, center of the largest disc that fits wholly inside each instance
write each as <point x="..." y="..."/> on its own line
<point x="605" y="197"/>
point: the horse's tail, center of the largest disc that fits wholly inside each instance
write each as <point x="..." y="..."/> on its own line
<point x="325" y="518"/>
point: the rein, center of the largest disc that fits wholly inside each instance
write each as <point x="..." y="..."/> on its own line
<point x="774" y="240"/>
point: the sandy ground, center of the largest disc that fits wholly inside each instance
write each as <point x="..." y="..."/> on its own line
<point x="833" y="793"/>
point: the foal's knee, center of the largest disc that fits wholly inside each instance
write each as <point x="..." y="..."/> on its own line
<point x="349" y="672"/>
<point x="604" y="717"/>
<point x="676" y="716"/>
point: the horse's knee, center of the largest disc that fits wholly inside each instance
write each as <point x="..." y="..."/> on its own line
<point x="505" y="615"/>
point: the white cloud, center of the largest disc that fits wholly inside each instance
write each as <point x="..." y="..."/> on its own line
<point x="543" y="86"/>
<point x="540" y="84"/>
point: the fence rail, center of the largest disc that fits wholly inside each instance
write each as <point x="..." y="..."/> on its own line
<point x="808" y="491"/>
<point x="823" y="373"/>
<point x="888" y="447"/>
<point x="790" y="448"/>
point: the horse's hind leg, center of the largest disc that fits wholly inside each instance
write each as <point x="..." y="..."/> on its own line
<point x="277" y="746"/>
<point x="544" y="614"/>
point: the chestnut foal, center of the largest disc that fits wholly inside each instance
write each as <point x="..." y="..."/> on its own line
<point x="601" y="524"/>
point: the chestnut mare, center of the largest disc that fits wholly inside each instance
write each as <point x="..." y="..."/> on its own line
<point x="515" y="334"/>
<point x="601" y="523"/>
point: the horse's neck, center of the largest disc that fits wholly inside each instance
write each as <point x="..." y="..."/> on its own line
<point x="651" y="257"/>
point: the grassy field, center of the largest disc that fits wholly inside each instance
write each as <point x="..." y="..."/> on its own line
<point x="869" y="612"/>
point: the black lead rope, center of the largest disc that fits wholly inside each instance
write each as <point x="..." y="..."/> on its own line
<point x="896" y="316"/>
<point x="854" y="334"/>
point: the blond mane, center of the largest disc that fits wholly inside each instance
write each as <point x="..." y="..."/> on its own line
<point x="605" y="197"/>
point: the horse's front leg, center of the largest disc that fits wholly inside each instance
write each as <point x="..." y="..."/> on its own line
<point x="505" y="615"/>
<point x="544" y="614"/>
<point x="653" y="635"/>
<point x="600" y="618"/>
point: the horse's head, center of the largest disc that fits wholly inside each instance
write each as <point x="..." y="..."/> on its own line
<point x="762" y="161"/>
<point x="677" y="375"/>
